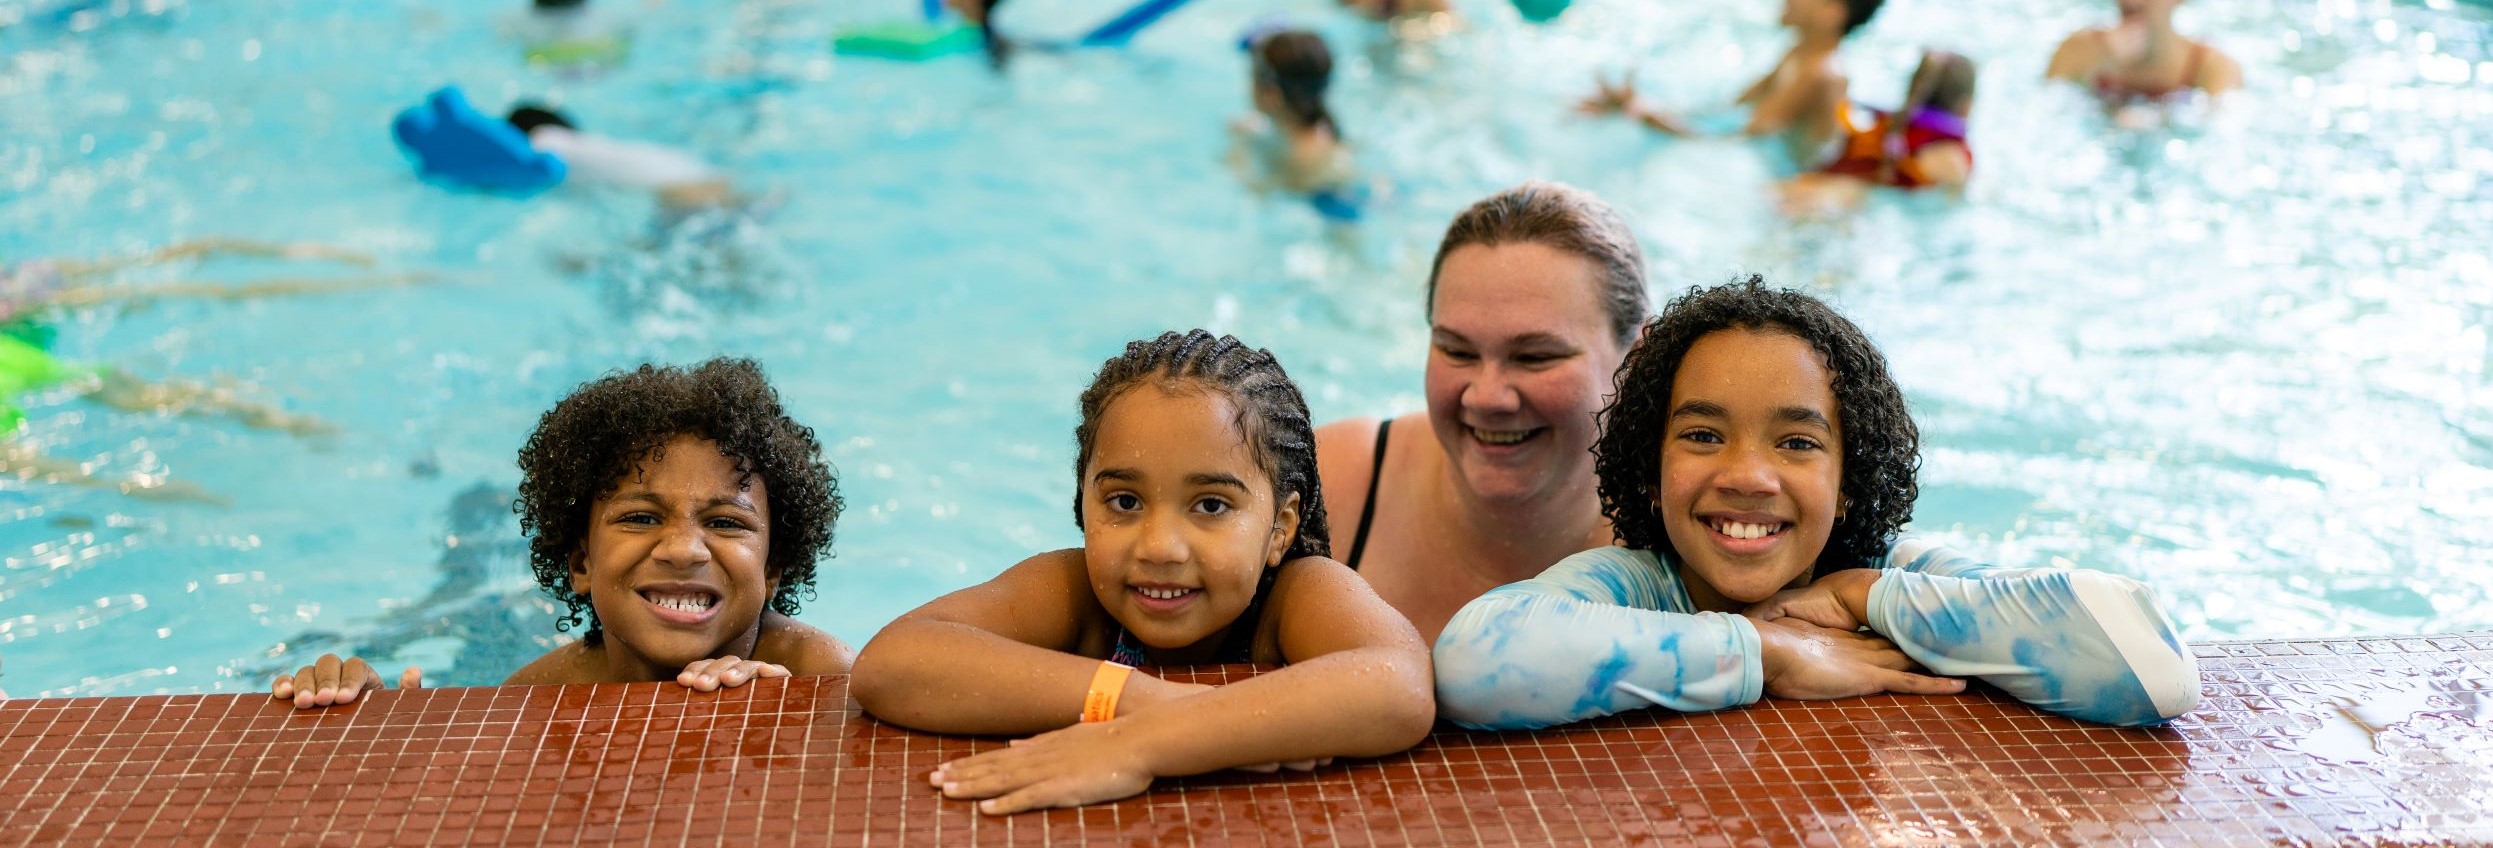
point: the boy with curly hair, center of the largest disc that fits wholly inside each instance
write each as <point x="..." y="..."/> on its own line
<point x="677" y="513"/>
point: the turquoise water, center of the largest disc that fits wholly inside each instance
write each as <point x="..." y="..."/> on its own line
<point x="2244" y="360"/>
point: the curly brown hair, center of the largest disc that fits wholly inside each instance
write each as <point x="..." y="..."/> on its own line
<point x="584" y="446"/>
<point x="1881" y="445"/>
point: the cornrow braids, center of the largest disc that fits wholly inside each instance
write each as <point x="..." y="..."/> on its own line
<point x="1881" y="445"/>
<point x="591" y="439"/>
<point x="1271" y="413"/>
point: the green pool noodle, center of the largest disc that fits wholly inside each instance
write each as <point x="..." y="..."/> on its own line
<point x="908" y="41"/>
<point x="580" y="51"/>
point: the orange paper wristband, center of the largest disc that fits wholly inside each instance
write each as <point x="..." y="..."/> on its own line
<point x="1106" y="685"/>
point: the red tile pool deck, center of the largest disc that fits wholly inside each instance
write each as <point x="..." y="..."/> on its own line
<point x="2365" y="741"/>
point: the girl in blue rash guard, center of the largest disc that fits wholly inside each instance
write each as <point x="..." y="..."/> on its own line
<point x="1757" y="463"/>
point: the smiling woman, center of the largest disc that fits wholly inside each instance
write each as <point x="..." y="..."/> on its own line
<point x="1535" y="292"/>
<point x="1758" y="462"/>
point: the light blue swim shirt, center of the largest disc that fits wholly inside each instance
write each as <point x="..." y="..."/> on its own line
<point x="1554" y="649"/>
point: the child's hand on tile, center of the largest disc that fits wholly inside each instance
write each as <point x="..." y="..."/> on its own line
<point x="1082" y="764"/>
<point x="333" y="681"/>
<point x="1806" y="661"/>
<point x="728" y="672"/>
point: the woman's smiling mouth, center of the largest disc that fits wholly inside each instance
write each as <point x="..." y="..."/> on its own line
<point x="1502" y="438"/>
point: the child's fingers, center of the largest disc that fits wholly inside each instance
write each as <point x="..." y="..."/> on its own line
<point x="985" y="780"/>
<point x="704" y="675"/>
<point x="325" y="680"/>
<point x="1262" y="768"/>
<point x="1908" y="683"/>
<point x="412" y="678"/>
<point x="763" y="669"/>
<point x="306" y="687"/>
<point x="353" y="678"/>
<point x="283" y="688"/>
<point x="1038" y="797"/>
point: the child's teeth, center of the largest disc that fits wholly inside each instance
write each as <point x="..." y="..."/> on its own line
<point x="688" y="603"/>
<point x="1744" y="530"/>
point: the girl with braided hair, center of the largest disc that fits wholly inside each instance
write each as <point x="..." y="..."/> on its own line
<point x="1203" y="541"/>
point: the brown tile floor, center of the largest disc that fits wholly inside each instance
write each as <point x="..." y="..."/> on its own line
<point x="2371" y="741"/>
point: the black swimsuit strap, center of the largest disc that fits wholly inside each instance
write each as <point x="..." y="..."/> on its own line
<point x="1367" y="509"/>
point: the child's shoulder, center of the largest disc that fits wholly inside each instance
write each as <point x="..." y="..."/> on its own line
<point x="1316" y="584"/>
<point x="805" y="650"/>
<point x="571" y="662"/>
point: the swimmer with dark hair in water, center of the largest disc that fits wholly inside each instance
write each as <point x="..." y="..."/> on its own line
<point x="1293" y="132"/>
<point x="681" y="180"/>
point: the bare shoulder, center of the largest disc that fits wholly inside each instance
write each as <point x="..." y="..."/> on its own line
<point x="1342" y="451"/>
<point x="803" y="649"/>
<point x="1342" y="448"/>
<point x="568" y="663"/>
<point x="1320" y="606"/>
<point x="2219" y="73"/>
<point x="2079" y="54"/>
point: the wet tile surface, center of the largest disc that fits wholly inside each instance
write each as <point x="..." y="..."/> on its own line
<point x="2371" y="741"/>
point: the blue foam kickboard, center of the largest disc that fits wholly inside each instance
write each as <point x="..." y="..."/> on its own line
<point x="454" y="144"/>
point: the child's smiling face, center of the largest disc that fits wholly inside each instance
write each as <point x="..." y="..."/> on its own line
<point x="1179" y="521"/>
<point x="1752" y="465"/>
<point x="677" y="560"/>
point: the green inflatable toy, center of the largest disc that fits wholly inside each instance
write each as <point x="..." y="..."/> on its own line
<point x="908" y="41"/>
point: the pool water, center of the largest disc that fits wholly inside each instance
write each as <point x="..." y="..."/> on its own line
<point x="2243" y="358"/>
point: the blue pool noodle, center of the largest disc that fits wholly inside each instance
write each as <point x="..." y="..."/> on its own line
<point x="934" y="9"/>
<point x="1116" y="33"/>
<point x="455" y="144"/>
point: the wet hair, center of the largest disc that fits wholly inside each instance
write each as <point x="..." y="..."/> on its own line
<point x="1857" y="13"/>
<point x="1944" y="80"/>
<point x="1271" y="414"/>
<point x="592" y="439"/>
<point x="1881" y="446"/>
<point x="529" y="115"/>
<point x="1566" y="218"/>
<point x="1296" y="64"/>
<point x="999" y="48"/>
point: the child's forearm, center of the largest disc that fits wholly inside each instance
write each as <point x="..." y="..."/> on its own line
<point x="2081" y="643"/>
<point x="951" y="678"/>
<point x="1366" y="702"/>
<point x="1530" y="656"/>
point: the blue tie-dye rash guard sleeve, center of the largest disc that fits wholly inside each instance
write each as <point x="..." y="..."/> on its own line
<point x="2084" y="644"/>
<point x="1553" y="649"/>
